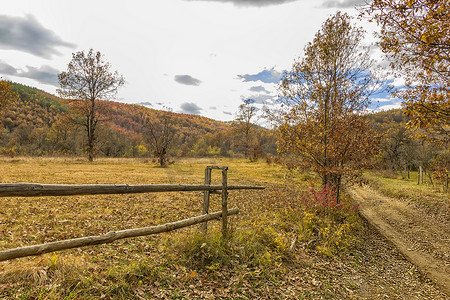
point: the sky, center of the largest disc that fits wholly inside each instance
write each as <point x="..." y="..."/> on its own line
<point x="199" y="57"/>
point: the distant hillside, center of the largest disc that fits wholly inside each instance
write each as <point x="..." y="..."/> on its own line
<point x="35" y="108"/>
<point x="131" y="118"/>
<point x="39" y="125"/>
<point x="384" y="120"/>
<point x="392" y="115"/>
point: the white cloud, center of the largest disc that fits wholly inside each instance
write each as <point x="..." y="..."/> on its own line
<point x="257" y="3"/>
<point x="342" y="3"/>
<point x="381" y="100"/>
<point x="389" y="106"/>
<point x="398" y="82"/>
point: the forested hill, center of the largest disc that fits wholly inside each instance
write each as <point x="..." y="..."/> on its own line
<point x="35" y="108"/>
<point x="130" y="118"/>
<point x="41" y="124"/>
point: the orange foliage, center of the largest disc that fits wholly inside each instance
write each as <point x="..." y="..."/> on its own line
<point x="415" y="35"/>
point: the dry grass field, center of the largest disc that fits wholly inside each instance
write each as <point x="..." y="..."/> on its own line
<point x="336" y="254"/>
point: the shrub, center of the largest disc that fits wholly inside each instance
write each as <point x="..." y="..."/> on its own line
<point x="322" y="223"/>
<point x="256" y="246"/>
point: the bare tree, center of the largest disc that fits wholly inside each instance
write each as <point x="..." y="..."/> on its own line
<point x="88" y="80"/>
<point x="160" y="135"/>
<point x="244" y="127"/>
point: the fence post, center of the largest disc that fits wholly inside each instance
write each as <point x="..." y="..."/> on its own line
<point x="206" y="197"/>
<point x="224" y="203"/>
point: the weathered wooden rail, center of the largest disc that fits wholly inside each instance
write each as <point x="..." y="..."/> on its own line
<point x="36" y="189"/>
<point x="108" y="237"/>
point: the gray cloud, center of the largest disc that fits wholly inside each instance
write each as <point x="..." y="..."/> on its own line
<point x="342" y="3"/>
<point x="27" y="35"/>
<point x="6" y="69"/>
<point x="187" y="80"/>
<point x="146" y="103"/>
<point x="244" y="3"/>
<point x="190" y="108"/>
<point x="258" y="89"/>
<point x="45" y="74"/>
<point x="213" y="107"/>
<point x="227" y="113"/>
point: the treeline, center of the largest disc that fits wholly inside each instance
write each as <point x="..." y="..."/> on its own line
<point x="42" y="124"/>
<point x="403" y="150"/>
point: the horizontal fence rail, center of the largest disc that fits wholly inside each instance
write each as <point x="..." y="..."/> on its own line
<point x="37" y="189"/>
<point x="108" y="237"/>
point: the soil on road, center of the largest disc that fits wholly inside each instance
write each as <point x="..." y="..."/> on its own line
<point x="422" y="238"/>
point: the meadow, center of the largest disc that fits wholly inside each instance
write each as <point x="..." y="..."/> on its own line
<point x="289" y="241"/>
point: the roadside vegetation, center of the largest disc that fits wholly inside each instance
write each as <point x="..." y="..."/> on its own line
<point x="429" y="196"/>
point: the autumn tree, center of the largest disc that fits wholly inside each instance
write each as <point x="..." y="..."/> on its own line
<point x="88" y="80"/>
<point x="160" y="134"/>
<point x="327" y="93"/>
<point x="415" y="36"/>
<point x="62" y="136"/>
<point x="399" y="149"/>
<point x="7" y="95"/>
<point x="244" y="128"/>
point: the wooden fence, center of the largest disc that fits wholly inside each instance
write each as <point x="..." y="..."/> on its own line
<point x="35" y="189"/>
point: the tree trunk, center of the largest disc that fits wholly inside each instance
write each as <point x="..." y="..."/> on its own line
<point x="420" y="176"/>
<point x="338" y="189"/>
<point x="333" y="182"/>
<point x="430" y="177"/>
<point x="91" y="137"/>
<point x="447" y="180"/>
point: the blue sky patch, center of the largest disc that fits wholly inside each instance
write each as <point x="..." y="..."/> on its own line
<point x="266" y="76"/>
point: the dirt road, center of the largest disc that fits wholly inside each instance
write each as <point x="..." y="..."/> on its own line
<point x="423" y="239"/>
